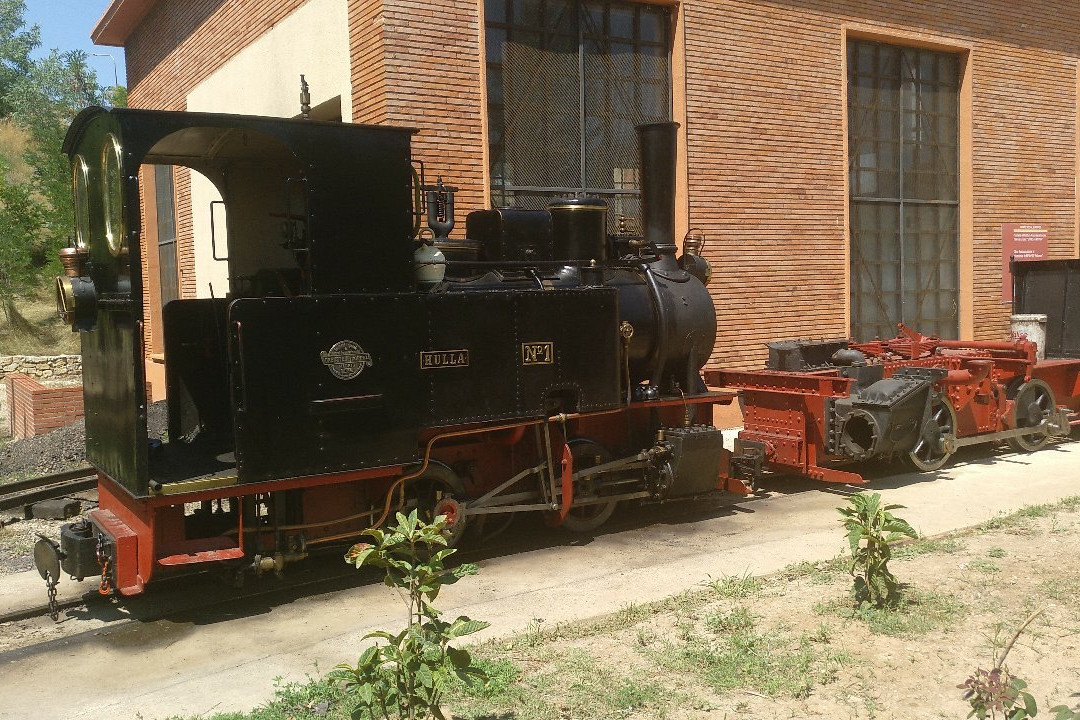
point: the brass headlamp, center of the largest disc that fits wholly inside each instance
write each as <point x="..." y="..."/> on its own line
<point x="76" y="297"/>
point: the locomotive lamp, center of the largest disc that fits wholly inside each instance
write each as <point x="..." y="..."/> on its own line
<point x="76" y="297"/>
<point x="692" y="260"/>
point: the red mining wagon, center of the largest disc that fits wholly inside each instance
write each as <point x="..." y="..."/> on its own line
<point x="821" y="403"/>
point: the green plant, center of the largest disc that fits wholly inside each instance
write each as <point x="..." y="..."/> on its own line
<point x="870" y="527"/>
<point x="998" y="693"/>
<point x="406" y="675"/>
<point x="733" y="587"/>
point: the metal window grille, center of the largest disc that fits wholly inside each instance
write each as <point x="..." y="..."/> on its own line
<point x="903" y="120"/>
<point x="166" y="232"/>
<point x="567" y="83"/>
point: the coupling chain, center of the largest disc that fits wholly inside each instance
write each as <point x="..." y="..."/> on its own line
<point x="54" y="609"/>
<point x="104" y="588"/>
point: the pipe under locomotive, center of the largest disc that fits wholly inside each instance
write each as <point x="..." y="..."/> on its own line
<point x="544" y="366"/>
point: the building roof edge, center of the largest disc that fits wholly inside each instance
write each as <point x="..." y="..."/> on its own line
<point x="118" y="21"/>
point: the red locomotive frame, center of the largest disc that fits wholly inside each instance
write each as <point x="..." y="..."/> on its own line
<point x="150" y="537"/>
<point x="991" y="391"/>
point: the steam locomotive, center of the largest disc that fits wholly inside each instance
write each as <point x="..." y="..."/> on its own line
<point x="348" y="373"/>
<point x="541" y="364"/>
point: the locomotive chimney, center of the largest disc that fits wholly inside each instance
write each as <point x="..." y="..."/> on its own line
<point x="656" y="147"/>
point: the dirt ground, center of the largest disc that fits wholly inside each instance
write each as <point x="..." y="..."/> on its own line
<point x="651" y="618"/>
<point x="790" y="645"/>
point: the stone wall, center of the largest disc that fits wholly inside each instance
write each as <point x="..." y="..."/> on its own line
<point x="42" y="367"/>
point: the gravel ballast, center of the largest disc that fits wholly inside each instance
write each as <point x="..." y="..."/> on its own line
<point x="62" y="449"/>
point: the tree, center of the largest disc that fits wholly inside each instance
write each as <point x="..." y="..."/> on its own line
<point x="41" y="97"/>
<point x="16" y="43"/>
<point x="20" y="227"/>
<point x="44" y="102"/>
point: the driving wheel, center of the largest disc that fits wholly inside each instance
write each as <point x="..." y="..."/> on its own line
<point x="929" y="452"/>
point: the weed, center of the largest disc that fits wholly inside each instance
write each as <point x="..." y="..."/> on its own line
<point x="406" y="675"/>
<point x="1063" y="588"/>
<point x="996" y="552"/>
<point x="929" y="546"/>
<point x="632" y="613"/>
<point x="1019" y="522"/>
<point x="502" y="675"/>
<point x="817" y="573"/>
<point x="311" y="699"/>
<point x="738" y="620"/>
<point x="645" y="637"/>
<point x="994" y="691"/>
<point x="629" y="696"/>
<point x="980" y="565"/>
<point x="735" y="653"/>
<point x="734" y="587"/>
<point x="534" y="635"/>
<point x="871" y="527"/>
<point x="914" y="614"/>
<point x="822" y="634"/>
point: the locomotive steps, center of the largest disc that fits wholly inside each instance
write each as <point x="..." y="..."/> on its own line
<point x="188" y="666"/>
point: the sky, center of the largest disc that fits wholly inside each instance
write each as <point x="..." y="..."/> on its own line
<point x="66" y="25"/>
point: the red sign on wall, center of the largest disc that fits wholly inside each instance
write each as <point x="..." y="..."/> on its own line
<point x="1020" y="242"/>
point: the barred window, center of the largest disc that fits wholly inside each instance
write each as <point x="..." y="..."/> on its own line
<point x="903" y="121"/>
<point x="567" y="82"/>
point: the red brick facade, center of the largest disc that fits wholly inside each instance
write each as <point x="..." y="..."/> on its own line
<point x="765" y="97"/>
<point x="34" y="409"/>
<point x="762" y="87"/>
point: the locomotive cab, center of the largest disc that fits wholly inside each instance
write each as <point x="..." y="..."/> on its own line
<point x="300" y="221"/>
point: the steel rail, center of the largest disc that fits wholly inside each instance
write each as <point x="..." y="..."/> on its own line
<point x="46" y="487"/>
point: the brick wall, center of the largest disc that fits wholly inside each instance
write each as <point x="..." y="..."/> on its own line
<point x="34" y="409"/>
<point x="433" y="84"/>
<point x="764" y="92"/>
<point x="766" y="148"/>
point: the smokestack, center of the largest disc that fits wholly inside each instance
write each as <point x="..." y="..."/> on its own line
<point x="656" y="148"/>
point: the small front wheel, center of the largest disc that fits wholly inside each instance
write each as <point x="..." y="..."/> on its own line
<point x="438" y="492"/>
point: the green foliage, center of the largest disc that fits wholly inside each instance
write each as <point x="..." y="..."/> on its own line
<point x="44" y="102"/>
<point x="734" y="587"/>
<point x="16" y="43"/>
<point x="406" y="674"/>
<point x="42" y="97"/>
<point x="871" y="527"/>
<point x="20" y="224"/>
<point x="735" y="653"/>
<point x="995" y="693"/>
<point x="913" y="614"/>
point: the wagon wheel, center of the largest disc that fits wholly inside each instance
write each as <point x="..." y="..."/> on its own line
<point x="587" y="518"/>
<point x="1034" y="401"/>
<point x="929" y="454"/>
<point x="438" y="492"/>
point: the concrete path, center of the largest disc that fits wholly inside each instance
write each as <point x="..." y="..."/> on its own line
<point x="220" y="663"/>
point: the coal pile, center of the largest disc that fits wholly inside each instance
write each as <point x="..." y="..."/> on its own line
<point x="63" y="449"/>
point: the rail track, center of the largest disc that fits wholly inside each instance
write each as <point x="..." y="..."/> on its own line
<point x="46" y="487"/>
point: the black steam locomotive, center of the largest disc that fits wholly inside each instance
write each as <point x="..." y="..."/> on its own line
<point x="539" y="364"/>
